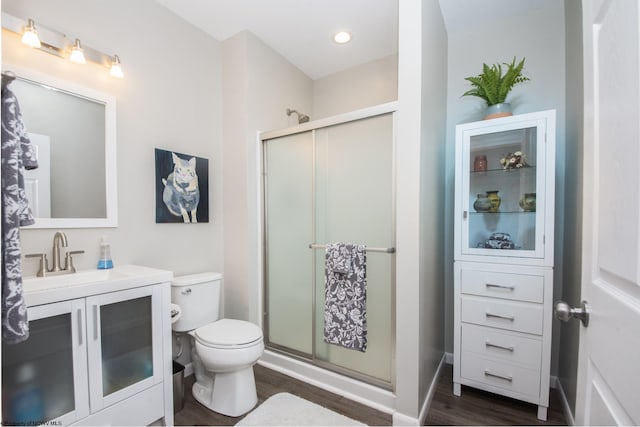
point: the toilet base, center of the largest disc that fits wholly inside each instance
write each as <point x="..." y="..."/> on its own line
<point x="231" y="393"/>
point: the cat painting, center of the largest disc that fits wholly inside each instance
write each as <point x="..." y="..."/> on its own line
<point x="181" y="192"/>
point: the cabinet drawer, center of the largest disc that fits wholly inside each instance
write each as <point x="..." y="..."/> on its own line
<point x="501" y="374"/>
<point x="501" y="345"/>
<point x="521" y="287"/>
<point x="510" y="315"/>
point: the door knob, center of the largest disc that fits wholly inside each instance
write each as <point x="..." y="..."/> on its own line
<point x="565" y="312"/>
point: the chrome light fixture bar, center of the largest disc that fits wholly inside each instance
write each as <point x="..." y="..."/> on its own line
<point x="59" y="44"/>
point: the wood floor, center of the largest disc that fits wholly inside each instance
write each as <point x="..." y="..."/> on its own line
<point x="477" y="407"/>
<point x="474" y="407"/>
<point x="268" y="383"/>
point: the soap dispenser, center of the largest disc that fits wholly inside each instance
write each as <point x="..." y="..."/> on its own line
<point x="105" y="255"/>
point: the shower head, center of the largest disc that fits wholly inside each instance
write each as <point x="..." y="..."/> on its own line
<point x="302" y="118"/>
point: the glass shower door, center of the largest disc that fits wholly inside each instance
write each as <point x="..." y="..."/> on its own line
<point x="332" y="184"/>
<point x="354" y="205"/>
<point x="288" y="232"/>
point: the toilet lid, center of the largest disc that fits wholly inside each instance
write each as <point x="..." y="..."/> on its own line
<point x="228" y="332"/>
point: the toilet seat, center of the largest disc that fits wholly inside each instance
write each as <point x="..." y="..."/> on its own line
<point x="229" y="333"/>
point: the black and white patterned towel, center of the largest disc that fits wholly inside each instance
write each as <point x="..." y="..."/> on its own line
<point x="17" y="155"/>
<point x="345" y="311"/>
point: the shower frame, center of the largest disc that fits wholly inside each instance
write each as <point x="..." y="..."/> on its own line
<point x="264" y="137"/>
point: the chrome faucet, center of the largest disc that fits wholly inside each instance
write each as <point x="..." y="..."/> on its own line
<point x="59" y="239"/>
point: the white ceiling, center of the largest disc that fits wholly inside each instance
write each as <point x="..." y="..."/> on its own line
<point x="302" y="30"/>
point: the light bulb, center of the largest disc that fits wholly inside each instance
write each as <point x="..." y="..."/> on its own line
<point x="77" y="56"/>
<point x="30" y="35"/>
<point x="342" y="37"/>
<point x="116" y="68"/>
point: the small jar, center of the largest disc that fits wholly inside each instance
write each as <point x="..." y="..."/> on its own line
<point x="480" y="163"/>
<point x="528" y="202"/>
<point x="495" y="200"/>
<point x="482" y="203"/>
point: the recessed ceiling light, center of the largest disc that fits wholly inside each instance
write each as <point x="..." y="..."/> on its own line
<point x="342" y="37"/>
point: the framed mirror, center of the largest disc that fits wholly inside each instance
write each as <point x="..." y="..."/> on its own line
<point x="73" y="130"/>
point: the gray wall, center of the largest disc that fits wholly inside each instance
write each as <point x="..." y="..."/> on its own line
<point x="170" y="98"/>
<point x="259" y="85"/>
<point x="373" y="83"/>
<point x="539" y="37"/>
<point x="432" y="193"/>
<point x="570" y="331"/>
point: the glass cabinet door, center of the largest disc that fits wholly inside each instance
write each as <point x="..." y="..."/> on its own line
<point x="44" y="379"/>
<point x="503" y="190"/>
<point x="123" y="350"/>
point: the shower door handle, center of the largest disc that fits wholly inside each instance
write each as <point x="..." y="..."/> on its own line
<point x="390" y="250"/>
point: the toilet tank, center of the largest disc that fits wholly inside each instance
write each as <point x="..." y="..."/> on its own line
<point x="198" y="296"/>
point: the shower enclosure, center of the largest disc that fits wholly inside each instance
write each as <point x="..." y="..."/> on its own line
<point x="331" y="180"/>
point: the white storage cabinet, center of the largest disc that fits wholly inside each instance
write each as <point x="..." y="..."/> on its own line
<point x="503" y="269"/>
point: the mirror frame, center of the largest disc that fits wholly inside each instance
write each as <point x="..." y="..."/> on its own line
<point x="111" y="178"/>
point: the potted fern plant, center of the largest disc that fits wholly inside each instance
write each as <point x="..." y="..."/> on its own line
<point x="493" y="86"/>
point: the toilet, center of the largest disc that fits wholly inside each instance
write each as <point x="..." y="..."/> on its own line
<point x="223" y="350"/>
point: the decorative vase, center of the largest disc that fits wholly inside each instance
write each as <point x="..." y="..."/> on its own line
<point x="528" y="202"/>
<point x="498" y="110"/>
<point x="480" y="163"/>
<point x="495" y="200"/>
<point x="482" y="203"/>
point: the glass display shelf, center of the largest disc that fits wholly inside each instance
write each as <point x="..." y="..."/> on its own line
<point x="520" y="212"/>
<point x="529" y="170"/>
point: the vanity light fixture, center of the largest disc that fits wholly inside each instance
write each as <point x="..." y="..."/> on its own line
<point x="342" y="37"/>
<point x="77" y="56"/>
<point x="116" y="68"/>
<point x="30" y="35"/>
<point x="49" y="40"/>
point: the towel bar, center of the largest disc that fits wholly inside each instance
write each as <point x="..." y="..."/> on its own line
<point x="383" y="250"/>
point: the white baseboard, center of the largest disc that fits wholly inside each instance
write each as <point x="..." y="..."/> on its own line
<point x="374" y="397"/>
<point x="448" y="358"/>
<point x="400" y="419"/>
<point x="566" y="409"/>
<point x="432" y="390"/>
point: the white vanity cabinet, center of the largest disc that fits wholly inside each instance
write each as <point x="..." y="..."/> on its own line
<point x="102" y="359"/>
<point x="503" y="269"/>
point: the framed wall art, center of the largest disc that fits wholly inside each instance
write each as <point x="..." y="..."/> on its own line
<point x="182" y="187"/>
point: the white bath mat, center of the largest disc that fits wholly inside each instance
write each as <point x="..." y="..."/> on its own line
<point x="284" y="409"/>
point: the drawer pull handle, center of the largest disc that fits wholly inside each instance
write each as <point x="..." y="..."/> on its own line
<point x="499" y="316"/>
<point x="490" y="344"/>
<point x="494" y="285"/>
<point x="487" y="373"/>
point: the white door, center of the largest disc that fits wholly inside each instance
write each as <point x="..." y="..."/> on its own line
<point x="609" y="356"/>
<point x="37" y="182"/>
